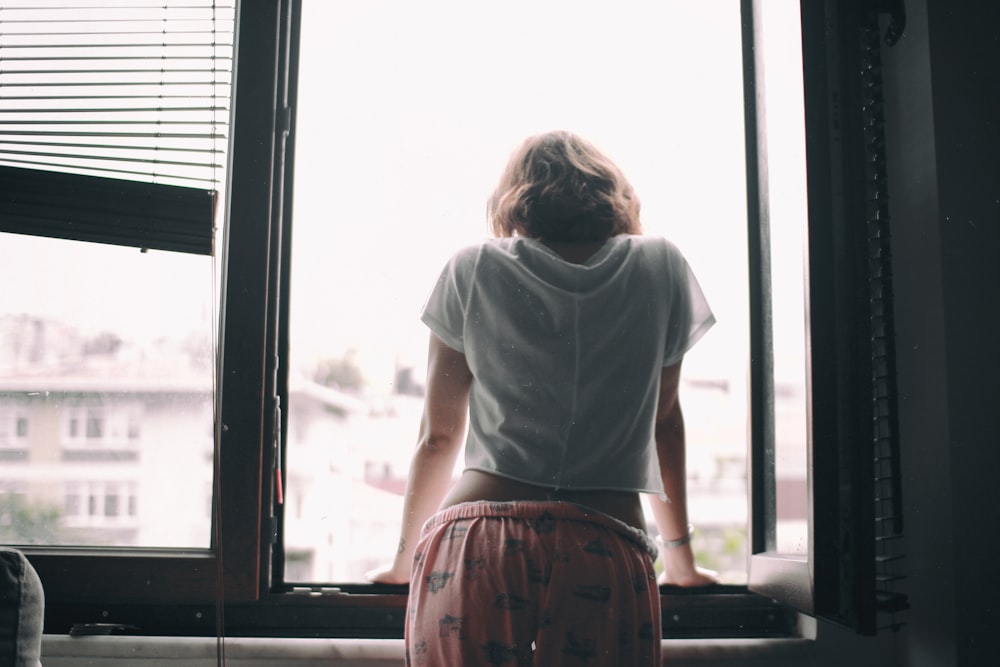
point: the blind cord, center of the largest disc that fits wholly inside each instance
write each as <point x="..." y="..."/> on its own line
<point x="220" y="591"/>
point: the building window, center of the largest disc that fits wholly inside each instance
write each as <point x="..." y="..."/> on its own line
<point x="111" y="500"/>
<point x="71" y="504"/>
<point x="14" y="428"/>
<point x="95" y="427"/>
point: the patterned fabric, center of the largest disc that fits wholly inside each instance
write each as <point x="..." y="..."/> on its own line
<point x="532" y="583"/>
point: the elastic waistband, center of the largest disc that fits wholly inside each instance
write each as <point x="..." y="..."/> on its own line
<point x="532" y="510"/>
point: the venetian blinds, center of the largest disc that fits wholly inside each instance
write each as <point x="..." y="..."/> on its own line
<point x="114" y="119"/>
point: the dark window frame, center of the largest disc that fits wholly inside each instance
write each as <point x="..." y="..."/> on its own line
<point x="852" y="434"/>
<point x="234" y="587"/>
<point x="177" y="576"/>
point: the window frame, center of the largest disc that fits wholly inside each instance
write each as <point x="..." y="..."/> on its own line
<point x="235" y="587"/>
<point x="74" y="576"/>
<point x="837" y="578"/>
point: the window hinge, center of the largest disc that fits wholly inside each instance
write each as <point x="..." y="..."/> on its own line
<point x="285" y="121"/>
<point x="896" y="9"/>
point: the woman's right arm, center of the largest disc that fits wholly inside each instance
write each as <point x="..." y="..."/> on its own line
<point x="671" y="515"/>
<point x="446" y="408"/>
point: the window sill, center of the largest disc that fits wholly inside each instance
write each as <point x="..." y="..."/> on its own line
<point x="65" y="651"/>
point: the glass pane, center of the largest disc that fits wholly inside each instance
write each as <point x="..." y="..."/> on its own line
<point x="406" y="114"/>
<point x="786" y="171"/>
<point x="106" y="376"/>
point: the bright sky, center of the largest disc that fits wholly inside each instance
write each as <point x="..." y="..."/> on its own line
<point x="407" y="113"/>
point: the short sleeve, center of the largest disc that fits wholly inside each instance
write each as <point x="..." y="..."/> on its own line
<point x="444" y="310"/>
<point x="690" y="316"/>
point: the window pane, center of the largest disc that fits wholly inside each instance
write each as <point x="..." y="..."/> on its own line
<point x="786" y="173"/>
<point x="406" y="114"/>
<point x="106" y="375"/>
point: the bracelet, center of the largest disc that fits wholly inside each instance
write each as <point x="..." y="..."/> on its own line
<point x="679" y="542"/>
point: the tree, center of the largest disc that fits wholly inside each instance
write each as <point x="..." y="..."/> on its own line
<point x="341" y="373"/>
<point x="24" y="523"/>
<point x="103" y="343"/>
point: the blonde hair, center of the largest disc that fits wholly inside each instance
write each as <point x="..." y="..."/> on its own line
<point x="559" y="187"/>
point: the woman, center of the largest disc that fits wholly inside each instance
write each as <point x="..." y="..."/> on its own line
<point x="557" y="346"/>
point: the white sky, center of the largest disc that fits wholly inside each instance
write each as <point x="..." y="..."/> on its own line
<point x="407" y="112"/>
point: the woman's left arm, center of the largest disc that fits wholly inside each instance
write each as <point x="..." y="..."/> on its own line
<point x="671" y="515"/>
<point x="442" y="426"/>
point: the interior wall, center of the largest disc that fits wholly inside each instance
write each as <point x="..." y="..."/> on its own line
<point x="929" y="634"/>
<point x="944" y="185"/>
<point x="965" y="67"/>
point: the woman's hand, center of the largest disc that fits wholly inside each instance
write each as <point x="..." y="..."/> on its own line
<point x="699" y="576"/>
<point x="388" y="574"/>
<point x="679" y="568"/>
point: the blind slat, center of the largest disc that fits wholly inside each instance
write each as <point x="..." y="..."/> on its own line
<point x="78" y="110"/>
<point x="5" y="122"/>
<point x="138" y="135"/>
<point x="122" y="45"/>
<point x="131" y="147"/>
<point x="110" y="84"/>
<point x="136" y="160"/>
<point x="96" y="97"/>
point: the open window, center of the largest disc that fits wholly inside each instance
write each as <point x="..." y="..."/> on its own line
<point x="422" y="136"/>
<point x="403" y="124"/>
<point x="291" y="264"/>
<point x="825" y="351"/>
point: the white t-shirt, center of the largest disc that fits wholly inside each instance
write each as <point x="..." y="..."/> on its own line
<point x="566" y="358"/>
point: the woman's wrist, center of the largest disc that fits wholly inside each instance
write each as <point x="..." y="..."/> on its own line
<point x="676" y="542"/>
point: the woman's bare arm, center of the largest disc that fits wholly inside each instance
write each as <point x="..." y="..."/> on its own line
<point x="671" y="515"/>
<point x="442" y="426"/>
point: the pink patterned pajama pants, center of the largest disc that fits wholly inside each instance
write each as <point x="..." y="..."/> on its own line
<point x="532" y="583"/>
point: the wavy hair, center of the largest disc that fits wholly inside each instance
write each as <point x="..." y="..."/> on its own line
<point x="559" y="187"/>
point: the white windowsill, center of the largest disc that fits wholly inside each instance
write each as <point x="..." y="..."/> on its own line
<point x="64" y="651"/>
